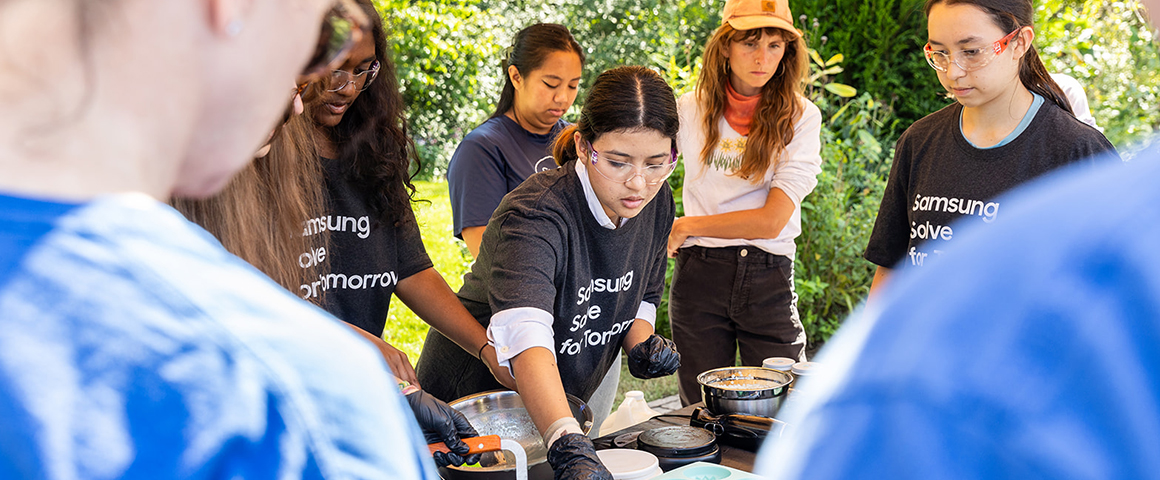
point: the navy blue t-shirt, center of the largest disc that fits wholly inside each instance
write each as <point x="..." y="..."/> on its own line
<point x="491" y="161"/>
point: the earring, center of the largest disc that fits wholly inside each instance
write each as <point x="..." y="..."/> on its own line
<point x="234" y="28"/>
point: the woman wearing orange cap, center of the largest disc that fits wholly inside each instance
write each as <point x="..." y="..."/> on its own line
<point x="751" y="145"/>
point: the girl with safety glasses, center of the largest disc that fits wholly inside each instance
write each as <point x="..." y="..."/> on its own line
<point x="751" y="145"/>
<point x="1009" y="124"/>
<point x="572" y="266"/>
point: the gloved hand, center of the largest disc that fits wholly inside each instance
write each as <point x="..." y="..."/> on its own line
<point x="573" y="457"/>
<point x="441" y="423"/>
<point x="655" y="357"/>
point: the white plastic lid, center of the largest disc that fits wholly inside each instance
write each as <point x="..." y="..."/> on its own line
<point x="778" y="363"/>
<point x="634" y="394"/>
<point x="629" y="464"/>
<point x="804" y="368"/>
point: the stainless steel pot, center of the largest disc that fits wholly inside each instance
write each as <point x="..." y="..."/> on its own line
<point x="746" y="390"/>
<point x="502" y="413"/>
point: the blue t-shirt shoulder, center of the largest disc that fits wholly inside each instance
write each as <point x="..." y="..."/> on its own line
<point x="25" y="221"/>
<point x="492" y="160"/>
<point x="135" y="346"/>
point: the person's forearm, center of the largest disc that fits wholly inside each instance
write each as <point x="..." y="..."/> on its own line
<point x="542" y="391"/>
<point x="881" y="277"/>
<point x="427" y="294"/>
<point x="638" y="332"/>
<point x="473" y="236"/>
<point x="764" y="222"/>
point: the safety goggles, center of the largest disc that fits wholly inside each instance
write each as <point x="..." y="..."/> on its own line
<point x="970" y="59"/>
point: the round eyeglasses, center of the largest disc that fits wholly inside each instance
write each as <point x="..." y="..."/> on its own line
<point x="622" y="172"/>
<point x="970" y="59"/>
<point x="339" y="79"/>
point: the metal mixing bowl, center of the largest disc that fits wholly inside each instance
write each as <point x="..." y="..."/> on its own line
<point x="747" y="390"/>
<point x="502" y="413"/>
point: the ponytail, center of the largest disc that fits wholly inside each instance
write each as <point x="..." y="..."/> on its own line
<point x="564" y="149"/>
<point x="1034" y="76"/>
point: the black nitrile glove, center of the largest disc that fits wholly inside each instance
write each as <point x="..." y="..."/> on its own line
<point x="573" y="457"/>
<point x="441" y="423"/>
<point x="655" y="357"/>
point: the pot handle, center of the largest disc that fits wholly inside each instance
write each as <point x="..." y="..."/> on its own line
<point x="486" y="443"/>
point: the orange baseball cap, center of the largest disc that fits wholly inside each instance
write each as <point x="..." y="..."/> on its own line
<point x="751" y="14"/>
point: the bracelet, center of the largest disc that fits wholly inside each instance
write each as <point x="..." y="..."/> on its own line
<point x="480" y="355"/>
<point x="409" y="389"/>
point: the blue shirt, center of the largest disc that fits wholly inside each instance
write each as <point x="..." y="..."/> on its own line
<point x="134" y="346"/>
<point x="491" y="161"/>
<point x="1031" y="350"/>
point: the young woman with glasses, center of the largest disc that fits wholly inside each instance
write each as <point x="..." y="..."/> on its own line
<point x="1009" y="124"/>
<point x="541" y="79"/>
<point x="751" y="145"/>
<point x="134" y="345"/>
<point x="572" y="266"/>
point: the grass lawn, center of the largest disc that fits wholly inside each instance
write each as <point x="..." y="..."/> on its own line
<point x="406" y="331"/>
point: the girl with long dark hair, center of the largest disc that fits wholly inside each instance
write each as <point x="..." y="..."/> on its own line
<point x="572" y="266"/>
<point x="1009" y="124"/>
<point x="751" y="145"/>
<point x="541" y="79"/>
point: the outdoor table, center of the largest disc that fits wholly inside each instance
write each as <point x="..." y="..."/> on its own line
<point x="732" y="457"/>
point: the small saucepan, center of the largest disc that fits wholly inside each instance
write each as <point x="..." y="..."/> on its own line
<point x="744" y="390"/>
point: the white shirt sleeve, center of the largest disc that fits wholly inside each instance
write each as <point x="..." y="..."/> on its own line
<point x="517" y="329"/>
<point x="797" y="174"/>
<point x="648" y="313"/>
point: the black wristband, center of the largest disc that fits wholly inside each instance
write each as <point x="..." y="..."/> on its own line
<point x="480" y="355"/>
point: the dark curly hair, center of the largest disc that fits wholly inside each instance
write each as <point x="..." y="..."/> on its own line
<point x="373" y="135"/>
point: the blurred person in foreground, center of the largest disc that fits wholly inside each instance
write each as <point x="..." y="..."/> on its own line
<point x="1028" y="351"/>
<point x="134" y="345"/>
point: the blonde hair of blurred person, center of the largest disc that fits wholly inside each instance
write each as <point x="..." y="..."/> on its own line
<point x="134" y="346"/>
<point x="259" y="215"/>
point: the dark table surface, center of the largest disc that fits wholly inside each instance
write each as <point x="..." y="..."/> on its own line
<point x="732" y="457"/>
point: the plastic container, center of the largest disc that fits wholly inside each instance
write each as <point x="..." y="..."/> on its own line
<point x="779" y="363"/>
<point x="632" y="410"/>
<point x="628" y="464"/>
<point x="801" y="370"/>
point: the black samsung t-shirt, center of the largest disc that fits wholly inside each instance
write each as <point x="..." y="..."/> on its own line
<point x="366" y="257"/>
<point x="544" y="249"/>
<point x="940" y="182"/>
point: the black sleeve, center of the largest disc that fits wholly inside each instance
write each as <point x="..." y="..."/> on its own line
<point x="890" y="236"/>
<point x="655" y="288"/>
<point x="476" y="183"/>
<point x="524" y="262"/>
<point x="412" y="254"/>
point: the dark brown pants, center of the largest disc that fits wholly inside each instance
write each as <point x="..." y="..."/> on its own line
<point x="727" y="299"/>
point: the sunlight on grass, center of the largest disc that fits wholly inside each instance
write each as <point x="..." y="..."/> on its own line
<point x="405" y="330"/>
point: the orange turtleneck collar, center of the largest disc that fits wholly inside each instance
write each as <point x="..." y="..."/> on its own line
<point x="739" y="109"/>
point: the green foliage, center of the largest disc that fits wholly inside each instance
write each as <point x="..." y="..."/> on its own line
<point x="1110" y="49"/>
<point x="882" y="42"/>
<point x="449" y="53"/>
<point x="831" y="278"/>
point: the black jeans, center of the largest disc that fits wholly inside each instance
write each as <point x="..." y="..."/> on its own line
<point x="730" y="298"/>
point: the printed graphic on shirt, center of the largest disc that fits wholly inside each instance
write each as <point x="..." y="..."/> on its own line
<point x="728" y="154"/>
<point x="583" y="337"/>
<point x="545" y="164"/>
<point x="338" y="223"/>
<point x="931" y="228"/>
